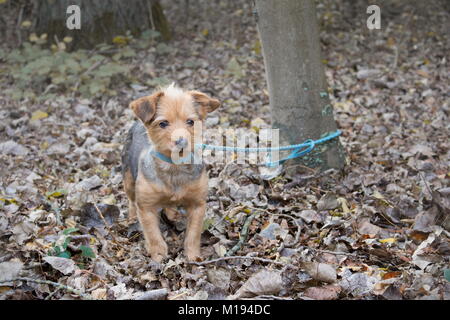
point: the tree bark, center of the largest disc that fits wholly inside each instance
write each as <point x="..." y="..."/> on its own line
<point x="101" y="21"/>
<point x="298" y="93"/>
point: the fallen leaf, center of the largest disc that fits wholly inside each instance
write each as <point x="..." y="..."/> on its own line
<point x="63" y="265"/>
<point x="90" y="215"/>
<point x="272" y="231"/>
<point x="329" y="292"/>
<point x="99" y="294"/>
<point x="89" y="183"/>
<point x="310" y="216"/>
<point x="320" y="271"/>
<point x="11" y="147"/>
<point x="235" y="69"/>
<point x="365" y="227"/>
<point x="219" y="277"/>
<point x="358" y="284"/>
<point x="261" y="283"/>
<point x="10" y="270"/>
<point x="38" y="115"/>
<point x="392" y="274"/>
<point x="328" y="202"/>
<point x="388" y="240"/>
<point x="419" y="257"/>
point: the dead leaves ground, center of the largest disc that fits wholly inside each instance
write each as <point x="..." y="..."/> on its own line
<point x="377" y="230"/>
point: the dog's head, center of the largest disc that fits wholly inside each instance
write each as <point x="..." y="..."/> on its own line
<point x="170" y="116"/>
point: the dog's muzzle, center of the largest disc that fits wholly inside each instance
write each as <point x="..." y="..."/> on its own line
<point x="181" y="143"/>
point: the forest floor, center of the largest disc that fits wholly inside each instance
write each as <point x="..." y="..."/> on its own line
<point x="379" y="229"/>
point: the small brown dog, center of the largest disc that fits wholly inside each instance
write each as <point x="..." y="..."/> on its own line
<point x="152" y="180"/>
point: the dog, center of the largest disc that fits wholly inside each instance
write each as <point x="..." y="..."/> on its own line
<point x="152" y="181"/>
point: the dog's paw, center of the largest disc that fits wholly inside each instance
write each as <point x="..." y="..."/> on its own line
<point x="158" y="252"/>
<point x="193" y="254"/>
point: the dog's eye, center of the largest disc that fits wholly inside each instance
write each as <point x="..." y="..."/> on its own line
<point x="164" y="124"/>
<point x="190" y="122"/>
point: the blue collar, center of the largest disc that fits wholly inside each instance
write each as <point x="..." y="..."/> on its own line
<point x="189" y="159"/>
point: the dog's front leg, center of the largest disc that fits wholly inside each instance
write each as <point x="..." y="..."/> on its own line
<point x="194" y="231"/>
<point x="154" y="242"/>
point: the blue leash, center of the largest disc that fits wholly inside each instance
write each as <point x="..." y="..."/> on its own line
<point x="299" y="150"/>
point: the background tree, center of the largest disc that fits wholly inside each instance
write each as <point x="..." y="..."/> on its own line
<point x="101" y="21"/>
<point x="299" y="100"/>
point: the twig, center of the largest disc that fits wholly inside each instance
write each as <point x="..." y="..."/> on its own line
<point x="50" y="296"/>
<point x="267" y="297"/>
<point x="103" y="218"/>
<point x="243" y="235"/>
<point x="95" y="275"/>
<point x="338" y="253"/>
<point x="158" y="294"/>
<point x="233" y="211"/>
<point x="91" y="68"/>
<point x="107" y="227"/>
<point x="240" y="257"/>
<point x="423" y="179"/>
<point x="55" y="284"/>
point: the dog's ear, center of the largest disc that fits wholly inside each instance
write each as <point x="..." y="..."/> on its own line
<point x="207" y="104"/>
<point x="145" y="108"/>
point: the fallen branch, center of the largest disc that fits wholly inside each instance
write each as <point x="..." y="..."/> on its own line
<point x="241" y="257"/>
<point x="55" y="284"/>
<point x="157" y="294"/>
<point x="338" y="253"/>
<point x="268" y="297"/>
<point x="243" y="236"/>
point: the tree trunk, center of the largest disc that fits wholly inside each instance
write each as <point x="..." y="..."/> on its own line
<point x="101" y="21"/>
<point x="299" y="100"/>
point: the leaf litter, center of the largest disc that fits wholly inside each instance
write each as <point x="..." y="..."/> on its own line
<point x="377" y="230"/>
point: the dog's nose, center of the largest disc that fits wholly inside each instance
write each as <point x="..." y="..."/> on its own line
<point x="181" y="142"/>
